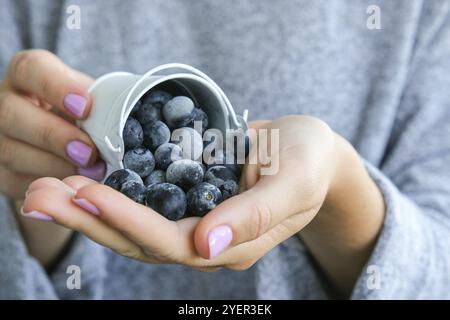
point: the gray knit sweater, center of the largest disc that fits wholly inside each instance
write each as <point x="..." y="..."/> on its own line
<point x="387" y="91"/>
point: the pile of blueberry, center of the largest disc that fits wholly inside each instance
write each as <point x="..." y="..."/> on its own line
<point x="164" y="172"/>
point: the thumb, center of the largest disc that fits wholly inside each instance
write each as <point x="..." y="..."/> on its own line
<point x="248" y="215"/>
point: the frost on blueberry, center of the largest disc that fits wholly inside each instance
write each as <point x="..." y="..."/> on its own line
<point x="155" y="134"/>
<point x="167" y="153"/>
<point x="148" y="112"/>
<point x="184" y="173"/>
<point x="167" y="199"/>
<point x="134" y="190"/>
<point x="200" y="119"/>
<point x="140" y="160"/>
<point x="157" y="176"/>
<point x="178" y="112"/>
<point x="116" y="179"/>
<point x="157" y="98"/>
<point x="202" y="198"/>
<point x="132" y="134"/>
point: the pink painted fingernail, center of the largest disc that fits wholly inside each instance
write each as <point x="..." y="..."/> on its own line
<point x="36" y="215"/>
<point x="86" y="205"/>
<point x="75" y="103"/>
<point x="219" y="239"/>
<point x="79" y="152"/>
<point x="96" y="172"/>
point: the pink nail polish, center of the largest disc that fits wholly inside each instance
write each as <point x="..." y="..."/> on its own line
<point x="219" y="239"/>
<point x="75" y="104"/>
<point x="86" y="205"/>
<point x="37" y="215"/>
<point x="79" y="152"/>
<point x="96" y="172"/>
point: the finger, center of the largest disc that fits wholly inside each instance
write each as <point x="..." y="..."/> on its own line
<point x="44" y="75"/>
<point x="45" y="130"/>
<point x="25" y="159"/>
<point x="56" y="203"/>
<point x="46" y="182"/>
<point x="77" y="182"/>
<point x="14" y="185"/>
<point x="249" y="215"/>
<point x="166" y="240"/>
<point x="138" y="223"/>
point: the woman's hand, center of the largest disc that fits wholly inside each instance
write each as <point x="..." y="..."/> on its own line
<point x="40" y="98"/>
<point x="236" y="233"/>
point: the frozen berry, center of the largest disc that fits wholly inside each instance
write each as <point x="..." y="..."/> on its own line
<point x="220" y="173"/>
<point x="224" y="179"/>
<point x="167" y="199"/>
<point x="167" y="153"/>
<point x="178" y="112"/>
<point x="132" y="134"/>
<point x="157" y="176"/>
<point x="116" y="179"/>
<point x="223" y="158"/>
<point x="190" y="141"/>
<point x="184" y="173"/>
<point x="202" y="198"/>
<point x="158" y="98"/>
<point x="229" y="189"/>
<point x="134" y="190"/>
<point x="200" y="119"/>
<point x="155" y="134"/>
<point x="148" y="112"/>
<point x="140" y="160"/>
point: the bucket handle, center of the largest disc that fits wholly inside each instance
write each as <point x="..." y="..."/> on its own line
<point x="199" y="73"/>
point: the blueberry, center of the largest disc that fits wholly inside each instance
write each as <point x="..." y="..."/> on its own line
<point x="132" y="134"/>
<point x="178" y="112"/>
<point x="199" y="116"/>
<point x="223" y="158"/>
<point x="221" y="174"/>
<point x="157" y="176"/>
<point x="190" y="141"/>
<point x="157" y="98"/>
<point x="148" y="112"/>
<point x="184" y="173"/>
<point x="155" y="134"/>
<point x="229" y="189"/>
<point x="167" y="199"/>
<point x="202" y="198"/>
<point x="140" y="160"/>
<point x="166" y="154"/>
<point x="116" y="179"/>
<point x="134" y="190"/>
<point x="223" y="178"/>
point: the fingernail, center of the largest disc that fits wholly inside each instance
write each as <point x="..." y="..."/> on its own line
<point x="36" y="215"/>
<point x="219" y="239"/>
<point x="86" y="205"/>
<point x="96" y="172"/>
<point x="75" y="104"/>
<point x="79" y="152"/>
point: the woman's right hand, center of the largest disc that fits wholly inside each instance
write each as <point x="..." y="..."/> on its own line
<point x="40" y="98"/>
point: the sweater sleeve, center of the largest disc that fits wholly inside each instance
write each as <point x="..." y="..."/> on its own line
<point x="22" y="276"/>
<point x="411" y="259"/>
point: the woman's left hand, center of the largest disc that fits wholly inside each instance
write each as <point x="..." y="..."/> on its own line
<point x="238" y="232"/>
